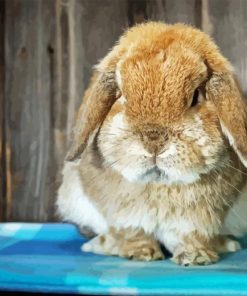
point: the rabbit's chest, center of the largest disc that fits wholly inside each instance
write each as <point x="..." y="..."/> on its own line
<point x="162" y="210"/>
<point x="150" y="209"/>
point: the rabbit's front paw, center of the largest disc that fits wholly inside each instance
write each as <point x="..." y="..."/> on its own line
<point x="128" y="243"/>
<point x="102" y="244"/>
<point x="148" y="250"/>
<point x="195" y="257"/>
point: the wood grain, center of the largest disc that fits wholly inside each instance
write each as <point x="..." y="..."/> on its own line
<point x="2" y="118"/>
<point x="28" y="113"/>
<point x="173" y="11"/>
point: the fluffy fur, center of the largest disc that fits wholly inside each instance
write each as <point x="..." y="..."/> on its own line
<point x="156" y="149"/>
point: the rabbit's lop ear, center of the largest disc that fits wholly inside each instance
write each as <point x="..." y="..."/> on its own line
<point x="97" y="101"/>
<point x="223" y="90"/>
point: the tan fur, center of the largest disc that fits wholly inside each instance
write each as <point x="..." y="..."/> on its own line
<point x="151" y="162"/>
<point x="129" y="243"/>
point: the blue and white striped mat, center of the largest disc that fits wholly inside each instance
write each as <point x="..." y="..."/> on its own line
<point x="47" y="258"/>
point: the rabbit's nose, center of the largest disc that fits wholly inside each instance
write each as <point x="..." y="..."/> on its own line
<point x="154" y="141"/>
<point x="152" y="135"/>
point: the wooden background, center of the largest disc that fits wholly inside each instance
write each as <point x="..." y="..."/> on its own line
<point x="47" y="49"/>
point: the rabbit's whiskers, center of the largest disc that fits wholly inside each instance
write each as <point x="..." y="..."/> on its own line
<point x="236" y="169"/>
<point x="109" y="165"/>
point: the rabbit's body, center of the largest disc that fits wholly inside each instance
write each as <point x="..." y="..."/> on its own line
<point x="166" y="212"/>
<point x="159" y="136"/>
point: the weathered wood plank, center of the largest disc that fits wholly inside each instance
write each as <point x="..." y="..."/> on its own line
<point x="172" y="11"/>
<point x="226" y="21"/>
<point x="2" y="125"/>
<point x="28" y="118"/>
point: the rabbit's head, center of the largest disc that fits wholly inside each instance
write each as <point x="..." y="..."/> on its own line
<point x="163" y="106"/>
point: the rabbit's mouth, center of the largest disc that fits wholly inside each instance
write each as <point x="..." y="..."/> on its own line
<point x="153" y="171"/>
<point x="168" y="177"/>
<point x="154" y="174"/>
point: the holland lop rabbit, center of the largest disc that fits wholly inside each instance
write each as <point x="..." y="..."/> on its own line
<point x="159" y="150"/>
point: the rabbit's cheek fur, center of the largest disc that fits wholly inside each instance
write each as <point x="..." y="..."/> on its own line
<point x="121" y="150"/>
<point x="192" y="153"/>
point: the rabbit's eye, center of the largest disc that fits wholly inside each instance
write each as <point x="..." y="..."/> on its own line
<point x="195" y="98"/>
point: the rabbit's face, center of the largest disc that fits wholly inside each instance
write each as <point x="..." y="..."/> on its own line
<point x="163" y="128"/>
<point x="179" y="98"/>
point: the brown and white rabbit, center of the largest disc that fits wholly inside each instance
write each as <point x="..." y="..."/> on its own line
<point x="159" y="150"/>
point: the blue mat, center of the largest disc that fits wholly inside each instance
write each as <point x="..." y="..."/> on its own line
<point x="47" y="258"/>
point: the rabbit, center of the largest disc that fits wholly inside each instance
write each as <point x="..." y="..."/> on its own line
<point x="159" y="150"/>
